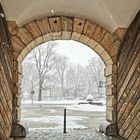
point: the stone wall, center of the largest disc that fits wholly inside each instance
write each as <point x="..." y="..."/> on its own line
<point x="6" y="81"/>
<point x="30" y="35"/>
<point x="128" y="83"/>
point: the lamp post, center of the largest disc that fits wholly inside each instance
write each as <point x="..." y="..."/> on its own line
<point x="102" y="85"/>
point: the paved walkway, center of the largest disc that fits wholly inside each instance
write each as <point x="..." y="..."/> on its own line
<point x="72" y="134"/>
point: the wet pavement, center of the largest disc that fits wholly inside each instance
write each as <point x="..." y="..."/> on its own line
<point x="46" y="123"/>
<point x="72" y="134"/>
<point x="52" y="117"/>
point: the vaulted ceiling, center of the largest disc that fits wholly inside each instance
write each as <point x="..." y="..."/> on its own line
<point x="110" y="14"/>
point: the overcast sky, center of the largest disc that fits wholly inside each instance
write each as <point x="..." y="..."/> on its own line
<point x="77" y="52"/>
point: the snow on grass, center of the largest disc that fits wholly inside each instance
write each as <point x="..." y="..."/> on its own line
<point x="81" y="105"/>
<point x="87" y="107"/>
<point x="60" y="102"/>
<point x="57" y="120"/>
<point x="52" y="102"/>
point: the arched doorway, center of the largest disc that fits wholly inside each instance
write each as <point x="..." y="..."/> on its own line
<point x="30" y="35"/>
<point x="63" y="74"/>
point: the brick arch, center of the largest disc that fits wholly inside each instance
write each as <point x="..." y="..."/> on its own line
<point x="30" y="35"/>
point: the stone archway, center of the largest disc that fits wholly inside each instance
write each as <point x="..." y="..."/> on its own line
<point x="30" y="35"/>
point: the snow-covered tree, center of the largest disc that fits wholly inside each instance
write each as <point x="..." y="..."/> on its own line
<point x="61" y="69"/>
<point x="44" y="58"/>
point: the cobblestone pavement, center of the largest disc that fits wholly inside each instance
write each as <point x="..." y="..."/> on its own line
<point x="72" y="134"/>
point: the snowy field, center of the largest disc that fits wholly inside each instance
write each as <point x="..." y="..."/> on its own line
<point x="61" y="102"/>
<point x="56" y="122"/>
<point x="49" y="114"/>
<point x="87" y="107"/>
<point x="72" y="104"/>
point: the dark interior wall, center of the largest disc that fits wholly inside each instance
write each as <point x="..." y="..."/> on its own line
<point x="128" y="83"/>
<point x="6" y="84"/>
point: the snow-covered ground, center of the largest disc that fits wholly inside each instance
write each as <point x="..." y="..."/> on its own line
<point x="52" y="102"/>
<point x="87" y="107"/>
<point x="60" y="102"/>
<point x="72" y="134"/>
<point x="73" y="104"/>
<point x="49" y="114"/>
<point x="56" y="121"/>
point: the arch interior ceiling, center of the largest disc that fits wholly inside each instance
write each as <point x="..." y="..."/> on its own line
<point x="110" y="14"/>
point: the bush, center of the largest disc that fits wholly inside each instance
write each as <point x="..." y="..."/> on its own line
<point x="90" y="98"/>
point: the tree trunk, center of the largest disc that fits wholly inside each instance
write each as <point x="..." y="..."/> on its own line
<point x="40" y="92"/>
<point x="63" y="92"/>
<point x="75" y="92"/>
<point x="50" y="92"/>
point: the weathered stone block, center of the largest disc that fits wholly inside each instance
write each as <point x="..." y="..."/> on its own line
<point x="111" y="90"/>
<point x="88" y="29"/>
<point x="12" y="27"/>
<point x="84" y="39"/>
<point x="110" y="69"/>
<point x="110" y="114"/>
<point x="20" y="58"/>
<point x="19" y="131"/>
<point x="66" y="35"/>
<point x="24" y="53"/>
<point x="67" y="24"/>
<point x="107" y="40"/>
<point x="15" y="89"/>
<point x="99" y="49"/>
<point x="92" y="44"/>
<point x="19" y="90"/>
<point x="110" y="129"/>
<point x="17" y="44"/>
<point x="46" y="26"/>
<point x="110" y="101"/>
<point x="78" y="25"/>
<point x="109" y="62"/>
<point x="105" y="56"/>
<point x="113" y="49"/>
<point x="43" y="25"/>
<point x="15" y="76"/>
<point x="114" y="59"/>
<point x="24" y="36"/>
<point x="15" y="65"/>
<point x="98" y="33"/>
<point x="19" y="78"/>
<point x="120" y="32"/>
<point x="38" y="41"/>
<point x="56" y="38"/>
<point x="18" y="113"/>
<point x="111" y="80"/>
<point x="56" y="34"/>
<point x="55" y="24"/>
<point x="31" y="46"/>
<point x="15" y="55"/>
<point x="75" y="36"/>
<point x="47" y="37"/>
<point x="18" y="100"/>
<point x="33" y="29"/>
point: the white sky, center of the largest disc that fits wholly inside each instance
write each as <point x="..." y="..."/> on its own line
<point x="77" y="52"/>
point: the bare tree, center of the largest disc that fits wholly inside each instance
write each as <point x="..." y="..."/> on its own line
<point x="61" y="68"/>
<point x="27" y="77"/>
<point x="76" y="78"/>
<point x="44" y="58"/>
<point x="96" y="73"/>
